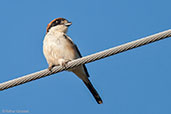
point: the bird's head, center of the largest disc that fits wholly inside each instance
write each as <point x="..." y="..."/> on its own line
<point x="58" y="24"/>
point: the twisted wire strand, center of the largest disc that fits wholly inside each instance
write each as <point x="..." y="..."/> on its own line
<point x="87" y="59"/>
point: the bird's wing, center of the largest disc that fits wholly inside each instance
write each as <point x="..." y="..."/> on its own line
<point x="78" y="52"/>
<point x="85" y="69"/>
<point x="82" y="72"/>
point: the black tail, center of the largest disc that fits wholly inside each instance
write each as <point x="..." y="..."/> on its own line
<point x="93" y="91"/>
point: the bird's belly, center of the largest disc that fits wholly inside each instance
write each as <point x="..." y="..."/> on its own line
<point x="60" y="49"/>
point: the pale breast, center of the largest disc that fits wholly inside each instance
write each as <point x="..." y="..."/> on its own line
<point x="57" y="47"/>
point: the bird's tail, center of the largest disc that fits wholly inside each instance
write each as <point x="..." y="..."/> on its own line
<point x="93" y="91"/>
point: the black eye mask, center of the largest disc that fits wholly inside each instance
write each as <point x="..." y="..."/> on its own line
<point x="56" y="22"/>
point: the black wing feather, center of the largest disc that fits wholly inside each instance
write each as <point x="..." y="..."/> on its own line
<point x="85" y="69"/>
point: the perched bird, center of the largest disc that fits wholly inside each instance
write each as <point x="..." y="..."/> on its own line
<point x="59" y="49"/>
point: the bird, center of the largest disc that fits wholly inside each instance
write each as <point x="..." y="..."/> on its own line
<point x="59" y="49"/>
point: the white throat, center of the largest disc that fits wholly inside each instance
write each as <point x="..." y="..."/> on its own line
<point x="59" y="28"/>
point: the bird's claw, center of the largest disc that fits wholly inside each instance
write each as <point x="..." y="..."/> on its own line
<point x="50" y="67"/>
<point x="63" y="62"/>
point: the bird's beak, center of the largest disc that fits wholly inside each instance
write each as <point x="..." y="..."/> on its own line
<point x="68" y="24"/>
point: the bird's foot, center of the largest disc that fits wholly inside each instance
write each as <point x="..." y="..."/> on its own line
<point x="63" y="62"/>
<point x="50" y="67"/>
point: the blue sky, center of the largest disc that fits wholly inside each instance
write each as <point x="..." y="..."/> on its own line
<point x="133" y="82"/>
